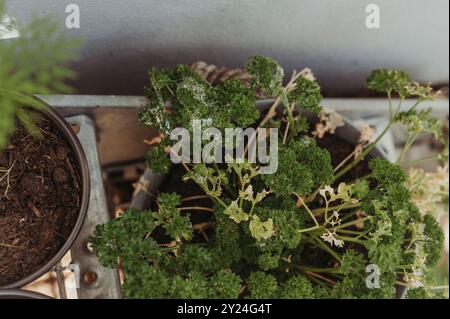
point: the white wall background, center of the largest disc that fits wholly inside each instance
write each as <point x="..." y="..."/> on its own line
<point x="124" y="38"/>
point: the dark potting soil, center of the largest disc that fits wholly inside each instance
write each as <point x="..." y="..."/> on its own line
<point x="339" y="150"/>
<point x="40" y="197"/>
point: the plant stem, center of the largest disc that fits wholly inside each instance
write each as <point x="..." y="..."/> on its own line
<point x="418" y="161"/>
<point x="439" y="287"/>
<point x="195" y="198"/>
<point x="288" y="123"/>
<point x="271" y="113"/>
<point x="309" y="211"/>
<point x="305" y="230"/>
<point x="345" y="160"/>
<point x="351" y="223"/>
<point x="317" y="269"/>
<point x="216" y="167"/>
<point x="282" y="97"/>
<point x="326" y="212"/>
<point x="368" y="149"/>
<point x="390" y="104"/>
<point x="185" y="166"/>
<point x="321" y="277"/>
<point x="319" y="211"/>
<point x="352" y="240"/>
<point x="351" y="232"/>
<point x="372" y="145"/>
<point x="317" y="281"/>
<point x="311" y="197"/>
<point x="349" y="215"/>
<point x="327" y="249"/>
<point x="206" y="209"/>
<point x="220" y="202"/>
<point x="409" y="142"/>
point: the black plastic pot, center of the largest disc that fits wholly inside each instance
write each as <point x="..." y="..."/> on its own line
<point x="21" y="294"/>
<point x="77" y="149"/>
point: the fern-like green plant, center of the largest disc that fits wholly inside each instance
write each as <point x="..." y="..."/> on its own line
<point x="34" y="63"/>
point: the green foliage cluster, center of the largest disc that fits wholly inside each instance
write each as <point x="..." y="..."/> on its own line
<point x="392" y="81"/>
<point x="34" y="63"/>
<point x="435" y="237"/>
<point x="400" y="241"/>
<point x="302" y="166"/>
<point x="307" y="94"/>
<point x="293" y="234"/>
<point x="267" y="75"/>
<point x="124" y="237"/>
<point x="353" y="286"/>
<point x="168" y="216"/>
<point x="179" y="96"/>
<point x="262" y="285"/>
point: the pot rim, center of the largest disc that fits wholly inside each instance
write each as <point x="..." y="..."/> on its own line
<point x="70" y="137"/>
<point x="21" y="294"/>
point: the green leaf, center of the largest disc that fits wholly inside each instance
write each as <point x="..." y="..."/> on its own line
<point x="237" y="102"/>
<point x="396" y="81"/>
<point x="386" y="173"/>
<point x="435" y="243"/>
<point x="266" y="74"/>
<point x="306" y="95"/>
<point x="225" y="285"/>
<point x="226" y="248"/>
<point x="125" y="237"/>
<point x="262" y="285"/>
<point x="168" y="216"/>
<point x="157" y="159"/>
<point x="389" y="80"/>
<point x="302" y="165"/>
<point x="261" y="230"/>
<point x="418" y="122"/>
<point x="386" y="256"/>
<point x="208" y="178"/>
<point x="297" y="287"/>
<point x="286" y="223"/>
<point x="235" y="212"/>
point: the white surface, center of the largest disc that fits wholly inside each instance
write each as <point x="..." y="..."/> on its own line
<point x="125" y="38"/>
<point x="7" y="28"/>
